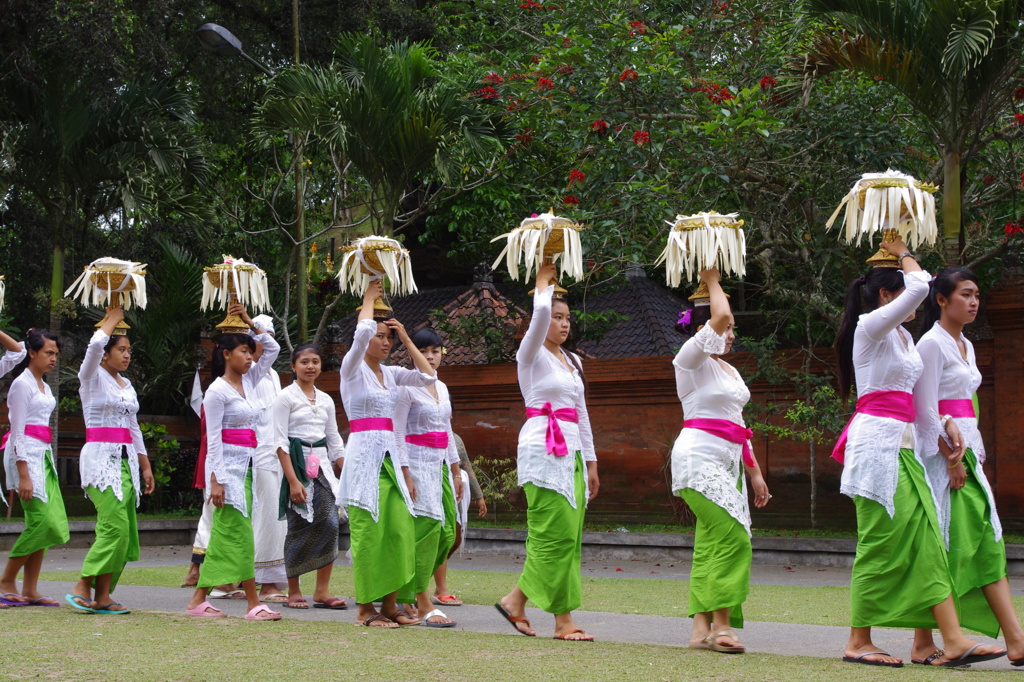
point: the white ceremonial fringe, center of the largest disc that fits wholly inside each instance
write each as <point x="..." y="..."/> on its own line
<point x="356" y="271"/>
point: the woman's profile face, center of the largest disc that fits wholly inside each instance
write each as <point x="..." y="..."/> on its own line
<point x="239" y="359"/>
<point x="120" y="355"/>
<point x="558" y="329"/>
<point x="962" y="305"/>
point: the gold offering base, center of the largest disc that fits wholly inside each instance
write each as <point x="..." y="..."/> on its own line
<point x="882" y="258"/>
<point x="380" y="309"/>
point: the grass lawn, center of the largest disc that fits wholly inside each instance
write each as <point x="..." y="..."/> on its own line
<point x="61" y="645"/>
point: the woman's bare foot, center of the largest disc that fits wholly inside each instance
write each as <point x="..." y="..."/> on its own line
<point x="516" y="610"/>
<point x="876" y="657"/>
<point x="956" y="653"/>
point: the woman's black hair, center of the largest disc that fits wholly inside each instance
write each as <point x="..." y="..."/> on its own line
<point x="870" y="285"/>
<point x="945" y="283"/>
<point x="699" y="316"/>
<point x="425" y="338"/>
<point x="35" y="340"/>
<point x="310" y="347"/>
<point x="228" y="342"/>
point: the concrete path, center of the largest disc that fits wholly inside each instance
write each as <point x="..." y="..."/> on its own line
<point x="762" y="637"/>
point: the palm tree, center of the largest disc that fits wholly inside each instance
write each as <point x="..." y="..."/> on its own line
<point x="85" y="156"/>
<point x="953" y="60"/>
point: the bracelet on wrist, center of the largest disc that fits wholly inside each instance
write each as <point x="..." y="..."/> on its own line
<point x="943" y="419"/>
<point x="905" y="254"/>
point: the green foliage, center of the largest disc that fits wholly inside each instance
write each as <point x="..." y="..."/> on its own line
<point x="499" y="482"/>
<point x="494" y="334"/>
<point x="161" y="449"/>
<point x="593" y="325"/>
<point x="69" y="404"/>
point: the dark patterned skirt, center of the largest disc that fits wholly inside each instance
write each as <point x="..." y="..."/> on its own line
<point x="311" y="546"/>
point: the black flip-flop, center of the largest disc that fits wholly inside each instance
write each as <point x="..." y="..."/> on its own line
<point x="938" y="653"/>
<point x="335" y="603"/>
<point x="860" y="659"/>
<point x="968" y="658"/>
<point x="514" y="619"/>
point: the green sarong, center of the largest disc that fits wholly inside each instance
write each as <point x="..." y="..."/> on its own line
<point x="900" y="570"/>
<point x="432" y="546"/>
<point x="46" y="523"/>
<point x="231" y="552"/>
<point x="451" y="516"/>
<point x="975" y="558"/>
<point x="383" y="551"/>
<point x="720" y="573"/>
<point x="554" y="537"/>
<point x="117" y="533"/>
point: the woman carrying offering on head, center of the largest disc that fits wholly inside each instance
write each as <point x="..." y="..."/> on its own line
<point x="423" y="429"/>
<point x="557" y="467"/>
<point x="965" y="504"/>
<point x="309" y="447"/>
<point x="708" y="461"/>
<point x="32" y="471"/>
<point x="230" y="448"/>
<point x="901" y="574"/>
<point x="114" y="465"/>
<point x="376" y="485"/>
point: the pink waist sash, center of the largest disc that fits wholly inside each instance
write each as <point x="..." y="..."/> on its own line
<point x="554" y="439"/>
<point x="726" y="430"/>
<point x="961" y="407"/>
<point x="245" y="438"/>
<point x="36" y="431"/>
<point x="371" y="424"/>
<point x="108" y="434"/>
<point x="430" y="439"/>
<point x="892" y="404"/>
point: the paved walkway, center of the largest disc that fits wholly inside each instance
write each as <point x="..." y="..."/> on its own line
<point x="764" y="637"/>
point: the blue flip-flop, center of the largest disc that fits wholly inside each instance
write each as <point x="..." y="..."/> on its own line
<point x="107" y="612"/>
<point x="70" y="598"/>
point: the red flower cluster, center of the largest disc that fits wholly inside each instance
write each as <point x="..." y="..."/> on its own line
<point x="525" y="138"/>
<point x="514" y="105"/>
<point x="599" y="126"/>
<point x="544" y="84"/>
<point x="570" y="200"/>
<point x="767" y="83"/>
<point x="1013" y="227"/>
<point x="576" y="176"/>
<point x="566" y="40"/>
<point x="989" y="179"/>
<point x="1019" y="119"/>
<point x="1018" y="94"/>
<point x="531" y="5"/>
<point x="713" y="91"/>
<point x="641" y="137"/>
<point x="565" y="69"/>
<point x="637" y="28"/>
<point x="493" y="78"/>
<point x="487" y="92"/>
<point x="629" y="74"/>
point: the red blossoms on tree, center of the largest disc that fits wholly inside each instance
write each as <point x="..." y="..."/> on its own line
<point x="576" y="176"/>
<point x="544" y="84"/>
<point x="1018" y="94"/>
<point x="570" y="200"/>
<point x="566" y="69"/>
<point x="493" y="79"/>
<point x="629" y="74"/>
<point x="637" y="28"/>
<point x="767" y="83"/>
<point x="487" y="92"/>
<point x="988" y="179"/>
<point x="1019" y="119"/>
<point x="599" y="126"/>
<point x="641" y="137"/>
<point x="1013" y="227"/>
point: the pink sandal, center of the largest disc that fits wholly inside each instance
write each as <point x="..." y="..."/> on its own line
<point x="446" y="600"/>
<point x="202" y="611"/>
<point x="262" y="612"/>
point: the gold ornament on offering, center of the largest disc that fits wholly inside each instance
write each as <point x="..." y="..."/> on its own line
<point x="894" y="204"/>
<point x="542" y="239"/>
<point x="235" y="281"/>
<point x="371" y="258"/>
<point x="701" y="296"/>
<point x="701" y="241"/>
<point x="111" y="283"/>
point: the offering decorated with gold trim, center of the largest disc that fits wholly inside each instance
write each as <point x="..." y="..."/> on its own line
<point x="111" y="283"/>
<point x="234" y="281"/>
<point x="371" y="258"/>
<point x="704" y="240"/>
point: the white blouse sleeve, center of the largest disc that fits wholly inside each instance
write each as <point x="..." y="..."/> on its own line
<point x="335" y="445"/>
<point x="11" y="359"/>
<point x="411" y="377"/>
<point x="271" y="349"/>
<point x="281" y="412"/>
<point x="699" y="348"/>
<point x="453" y="452"/>
<point x="883" y="319"/>
<point x="138" y="442"/>
<point x="350" y="364"/>
<point x="533" y="340"/>
<point x="17" y="411"/>
<point x="400" y="419"/>
<point x="926" y="398"/>
<point x="586" y="433"/>
<point x="93" y="356"/>
<point x="213" y="405"/>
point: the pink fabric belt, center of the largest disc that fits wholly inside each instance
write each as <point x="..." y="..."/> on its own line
<point x="430" y="439"/>
<point x="36" y="431"/>
<point x="961" y="407"/>
<point x="726" y="430"/>
<point x="108" y="434"/>
<point x="892" y="404"/>
<point x="246" y="438"/>
<point x="554" y="439"/>
<point x="371" y="424"/>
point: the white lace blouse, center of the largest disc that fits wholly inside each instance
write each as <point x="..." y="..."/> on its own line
<point x="26" y="405"/>
<point x="701" y="461"/>
<point x="882" y="362"/>
<point x="544" y="379"/>
<point x="106" y="404"/>
<point x="947" y="376"/>
<point x="417" y="412"/>
<point x="295" y="417"/>
<point x="365" y="398"/>
<point x="225" y="408"/>
<point x="267" y="389"/>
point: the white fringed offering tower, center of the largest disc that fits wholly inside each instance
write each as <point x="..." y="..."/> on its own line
<point x="371" y="258"/>
<point x="891" y="203"/>
<point x="111" y="283"/>
<point x="701" y="241"/>
<point x="542" y="239"/>
<point x="234" y="281"/>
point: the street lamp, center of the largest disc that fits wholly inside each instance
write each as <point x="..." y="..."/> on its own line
<point x="222" y="41"/>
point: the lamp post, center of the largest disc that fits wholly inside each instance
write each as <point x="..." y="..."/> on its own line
<point x="218" y="39"/>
